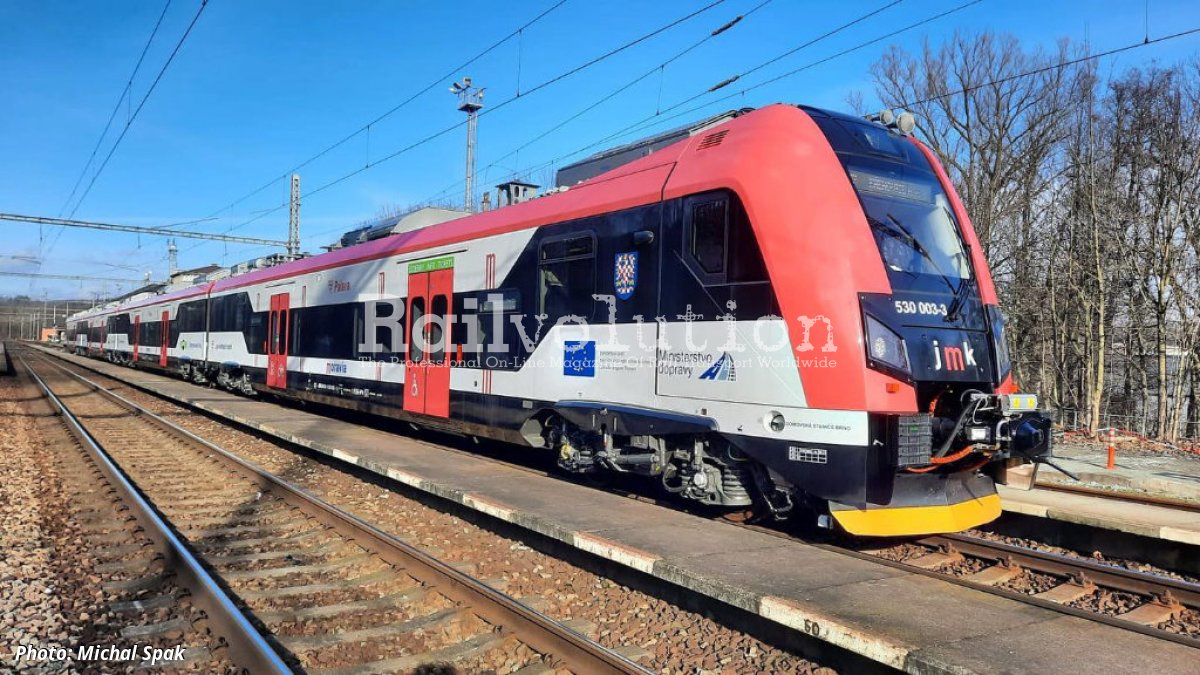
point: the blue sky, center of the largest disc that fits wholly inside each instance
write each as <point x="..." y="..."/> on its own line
<point x="260" y="86"/>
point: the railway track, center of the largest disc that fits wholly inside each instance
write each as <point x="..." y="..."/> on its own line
<point x="1146" y="603"/>
<point x="166" y="596"/>
<point x="324" y="591"/>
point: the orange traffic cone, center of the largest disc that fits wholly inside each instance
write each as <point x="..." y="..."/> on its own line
<point x="1112" y="451"/>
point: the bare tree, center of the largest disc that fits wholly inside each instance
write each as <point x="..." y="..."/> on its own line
<point x="1084" y="195"/>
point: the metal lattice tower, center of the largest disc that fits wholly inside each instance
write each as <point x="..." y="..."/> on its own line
<point x="293" y="240"/>
<point x="172" y="258"/>
<point x="470" y="100"/>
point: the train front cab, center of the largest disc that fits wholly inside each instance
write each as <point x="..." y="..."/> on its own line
<point x="939" y="331"/>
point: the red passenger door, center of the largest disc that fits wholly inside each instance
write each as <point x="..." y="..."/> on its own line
<point x="165" y="338"/>
<point x="437" y="365"/>
<point x="137" y="332"/>
<point x="427" y="367"/>
<point x="277" y="341"/>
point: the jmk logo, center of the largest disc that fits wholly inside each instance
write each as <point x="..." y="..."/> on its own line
<point x="721" y="369"/>
<point x="953" y="358"/>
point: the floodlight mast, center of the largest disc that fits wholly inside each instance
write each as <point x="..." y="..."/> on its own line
<point x="470" y="100"/>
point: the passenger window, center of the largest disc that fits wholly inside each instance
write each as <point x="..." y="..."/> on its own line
<point x="708" y="236"/>
<point x="567" y="248"/>
<point x="567" y="278"/>
<point x="498" y="300"/>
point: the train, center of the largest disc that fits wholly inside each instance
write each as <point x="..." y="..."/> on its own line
<point x="780" y="311"/>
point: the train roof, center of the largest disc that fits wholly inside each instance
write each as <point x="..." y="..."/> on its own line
<point x="632" y="184"/>
<point x="611" y="158"/>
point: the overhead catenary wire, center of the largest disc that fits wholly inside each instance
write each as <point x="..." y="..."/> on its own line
<point x="1029" y="73"/>
<point x="651" y="120"/>
<point x="610" y="95"/>
<point x="659" y="110"/>
<point x="108" y="124"/>
<point x="128" y="123"/>
<point x="67" y="277"/>
<point x="439" y="80"/>
<point x="117" y="106"/>
<point x="779" y="57"/>
<point x="1144" y="42"/>
<point x="492" y="109"/>
<point x="141" y="104"/>
<point x="573" y="71"/>
<point x="714" y="33"/>
<point x="633" y="127"/>
<point x="656" y="117"/>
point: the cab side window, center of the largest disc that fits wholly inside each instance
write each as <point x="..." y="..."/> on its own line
<point x="709" y="234"/>
<point x="720" y="245"/>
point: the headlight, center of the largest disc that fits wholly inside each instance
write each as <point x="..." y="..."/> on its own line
<point x="1018" y="403"/>
<point x="885" y="346"/>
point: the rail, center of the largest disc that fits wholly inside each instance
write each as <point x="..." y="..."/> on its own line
<point x="540" y="633"/>
<point x="246" y="646"/>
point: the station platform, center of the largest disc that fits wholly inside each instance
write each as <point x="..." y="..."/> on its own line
<point x="1137" y="474"/>
<point x="1146" y="520"/>
<point x="900" y="619"/>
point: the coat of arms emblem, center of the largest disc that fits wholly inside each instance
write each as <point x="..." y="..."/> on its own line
<point x="625" y="274"/>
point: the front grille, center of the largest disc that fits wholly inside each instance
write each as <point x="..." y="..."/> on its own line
<point x="914" y="439"/>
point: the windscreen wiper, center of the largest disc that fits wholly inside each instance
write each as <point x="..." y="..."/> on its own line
<point x="960" y="299"/>
<point x="898" y="231"/>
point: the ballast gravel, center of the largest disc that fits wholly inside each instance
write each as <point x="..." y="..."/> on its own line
<point x="648" y="629"/>
<point x="56" y="556"/>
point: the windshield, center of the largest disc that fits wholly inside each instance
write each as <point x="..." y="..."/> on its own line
<point x="907" y="208"/>
<point x="914" y="235"/>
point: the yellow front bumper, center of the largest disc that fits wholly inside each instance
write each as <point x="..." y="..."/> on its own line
<point x="914" y="520"/>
